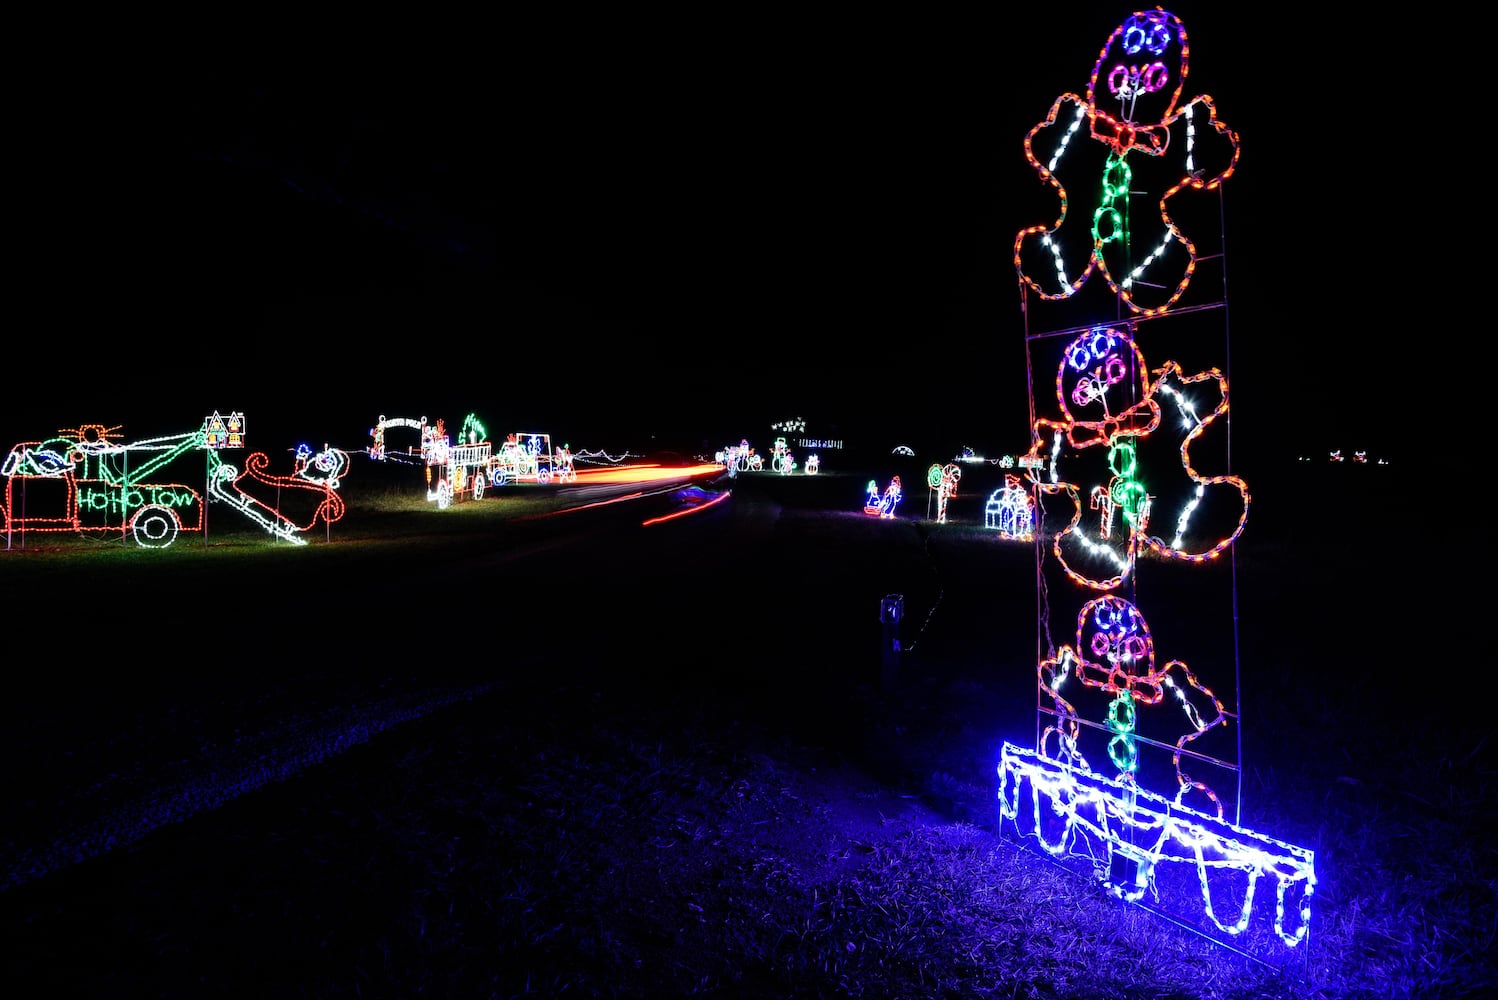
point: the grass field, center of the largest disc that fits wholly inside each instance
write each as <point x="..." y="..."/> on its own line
<point x="491" y="753"/>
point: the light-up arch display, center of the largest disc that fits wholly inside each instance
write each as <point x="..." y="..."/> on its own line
<point x="740" y="457"/>
<point x="379" y="446"/>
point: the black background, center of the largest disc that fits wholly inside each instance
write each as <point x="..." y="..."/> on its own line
<point x="669" y="229"/>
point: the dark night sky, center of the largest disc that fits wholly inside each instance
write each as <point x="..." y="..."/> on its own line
<point x="686" y="227"/>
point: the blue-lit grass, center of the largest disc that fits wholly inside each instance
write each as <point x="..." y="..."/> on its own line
<point x="718" y="800"/>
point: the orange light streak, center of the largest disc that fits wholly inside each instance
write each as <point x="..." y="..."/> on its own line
<point x="647" y="473"/>
<point x="694" y="509"/>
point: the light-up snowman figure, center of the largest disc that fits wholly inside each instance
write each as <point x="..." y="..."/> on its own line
<point x="1132" y="148"/>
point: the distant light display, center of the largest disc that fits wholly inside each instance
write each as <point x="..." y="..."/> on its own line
<point x="325" y="467"/>
<point x="561" y="463"/>
<point x="782" y="461"/>
<point x="525" y="456"/>
<point x="377" y="449"/>
<point x="473" y="431"/>
<point x="1010" y="510"/>
<point x="878" y="504"/>
<point x="1133" y="147"/>
<point x="601" y="457"/>
<point x="740" y="457"/>
<point x="220" y="431"/>
<point x="943" y="479"/>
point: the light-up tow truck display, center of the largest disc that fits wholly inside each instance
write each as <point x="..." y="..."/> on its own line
<point x="85" y="481"/>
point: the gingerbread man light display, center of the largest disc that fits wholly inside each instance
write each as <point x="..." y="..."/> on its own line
<point x="1114" y="655"/>
<point x="1129" y="148"/>
<point x="1185" y="840"/>
<point x="1111" y="405"/>
<point x="1135" y="774"/>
